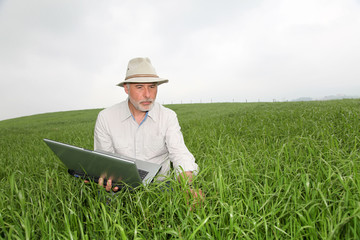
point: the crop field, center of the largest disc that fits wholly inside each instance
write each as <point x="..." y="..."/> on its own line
<point x="286" y="170"/>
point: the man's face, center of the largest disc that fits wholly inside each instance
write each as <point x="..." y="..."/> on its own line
<point x="141" y="95"/>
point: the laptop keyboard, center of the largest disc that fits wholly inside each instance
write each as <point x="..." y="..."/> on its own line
<point x="142" y="173"/>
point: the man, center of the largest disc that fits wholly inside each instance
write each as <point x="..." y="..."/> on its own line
<point x="141" y="128"/>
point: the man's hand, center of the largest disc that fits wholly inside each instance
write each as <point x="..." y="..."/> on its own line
<point x="196" y="196"/>
<point x="108" y="186"/>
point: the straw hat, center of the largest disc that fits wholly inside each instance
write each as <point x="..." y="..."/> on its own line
<point x="140" y="70"/>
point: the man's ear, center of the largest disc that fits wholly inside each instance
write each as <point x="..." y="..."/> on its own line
<point x="126" y="88"/>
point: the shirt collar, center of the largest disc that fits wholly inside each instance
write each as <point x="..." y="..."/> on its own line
<point x="154" y="112"/>
<point x="125" y="110"/>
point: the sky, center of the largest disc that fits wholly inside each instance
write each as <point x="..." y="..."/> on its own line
<point x="65" y="55"/>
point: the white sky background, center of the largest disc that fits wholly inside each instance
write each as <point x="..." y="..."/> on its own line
<point x="63" y="55"/>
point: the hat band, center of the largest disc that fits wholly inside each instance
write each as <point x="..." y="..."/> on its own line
<point x="141" y="75"/>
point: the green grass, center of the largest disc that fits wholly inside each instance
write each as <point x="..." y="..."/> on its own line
<point x="269" y="171"/>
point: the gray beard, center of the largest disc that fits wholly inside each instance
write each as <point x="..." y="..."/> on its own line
<point x="138" y="107"/>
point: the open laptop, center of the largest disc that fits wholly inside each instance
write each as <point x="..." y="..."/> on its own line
<point x="91" y="165"/>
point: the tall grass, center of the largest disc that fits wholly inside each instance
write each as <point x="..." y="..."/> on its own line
<point x="269" y="170"/>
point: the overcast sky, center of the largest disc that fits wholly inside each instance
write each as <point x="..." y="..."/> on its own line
<point x="63" y="55"/>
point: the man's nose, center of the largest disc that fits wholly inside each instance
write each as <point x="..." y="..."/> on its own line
<point x="147" y="93"/>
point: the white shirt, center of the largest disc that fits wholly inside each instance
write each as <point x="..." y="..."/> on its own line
<point x="157" y="139"/>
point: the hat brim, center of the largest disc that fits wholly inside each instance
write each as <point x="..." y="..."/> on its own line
<point x="144" y="80"/>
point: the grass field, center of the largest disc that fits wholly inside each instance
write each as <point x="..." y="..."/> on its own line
<point x="269" y="171"/>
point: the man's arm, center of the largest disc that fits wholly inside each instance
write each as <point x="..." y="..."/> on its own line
<point x="183" y="161"/>
<point x="102" y="141"/>
<point x="180" y="156"/>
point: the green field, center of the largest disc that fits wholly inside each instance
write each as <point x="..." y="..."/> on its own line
<point x="269" y="171"/>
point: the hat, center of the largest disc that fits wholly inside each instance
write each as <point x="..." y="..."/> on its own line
<point x="140" y="70"/>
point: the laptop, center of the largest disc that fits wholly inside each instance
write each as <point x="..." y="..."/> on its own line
<point x="91" y="165"/>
